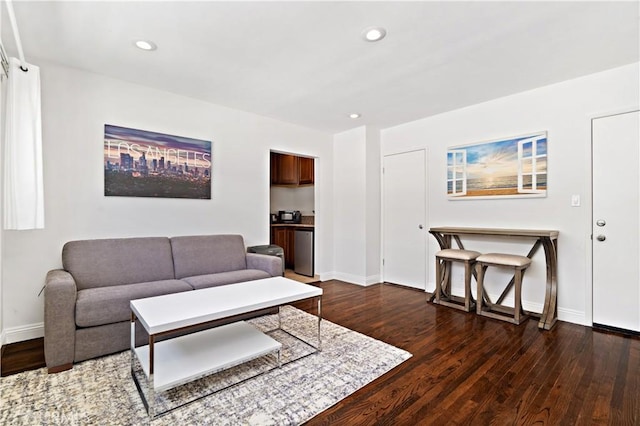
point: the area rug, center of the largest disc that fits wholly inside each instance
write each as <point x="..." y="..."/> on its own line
<point x="101" y="391"/>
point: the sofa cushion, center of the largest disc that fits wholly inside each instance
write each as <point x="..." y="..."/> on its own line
<point x="212" y="280"/>
<point x="207" y="254"/>
<point x="109" y="262"/>
<point x="105" y="305"/>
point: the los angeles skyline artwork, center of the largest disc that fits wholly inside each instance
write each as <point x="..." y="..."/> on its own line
<point x="141" y="163"/>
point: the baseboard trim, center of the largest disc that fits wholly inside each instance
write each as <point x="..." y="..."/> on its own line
<point x="20" y="334"/>
<point x="349" y="278"/>
<point x="352" y="279"/>
<point x="373" y="279"/>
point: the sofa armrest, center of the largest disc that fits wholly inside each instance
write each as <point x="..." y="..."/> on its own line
<point x="59" y="320"/>
<point x="270" y="264"/>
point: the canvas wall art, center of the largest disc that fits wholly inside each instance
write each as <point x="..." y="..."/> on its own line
<point x="140" y="163"/>
<point x="510" y="167"/>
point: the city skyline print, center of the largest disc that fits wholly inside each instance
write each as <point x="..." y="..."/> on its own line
<point x="141" y="163"/>
<point x="506" y="168"/>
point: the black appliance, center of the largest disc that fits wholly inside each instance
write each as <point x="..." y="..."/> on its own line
<point x="289" y="216"/>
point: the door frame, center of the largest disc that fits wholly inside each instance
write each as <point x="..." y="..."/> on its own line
<point x="316" y="199"/>
<point x="426" y="211"/>
<point x="588" y="311"/>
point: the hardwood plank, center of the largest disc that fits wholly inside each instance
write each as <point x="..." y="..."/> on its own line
<point x="465" y="369"/>
<point x="22" y="356"/>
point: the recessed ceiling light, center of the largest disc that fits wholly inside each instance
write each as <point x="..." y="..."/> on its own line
<point x="146" y="45"/>
<point x="354" y="115"/>
<point x="374" y="33"/>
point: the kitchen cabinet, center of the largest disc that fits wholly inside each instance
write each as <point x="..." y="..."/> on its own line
<point x="284" y="237"/>
<point x="291" y="170"/>
<point x="305" y="171"/>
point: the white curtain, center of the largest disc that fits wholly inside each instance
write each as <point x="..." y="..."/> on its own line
<point x="22" y="154"/>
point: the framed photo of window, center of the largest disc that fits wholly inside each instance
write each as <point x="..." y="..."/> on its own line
<point x="513" y="167"/>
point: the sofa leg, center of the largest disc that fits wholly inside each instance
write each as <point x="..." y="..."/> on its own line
<point x="59" y="368"/>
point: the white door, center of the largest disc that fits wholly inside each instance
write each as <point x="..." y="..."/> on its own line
<point x="404" y="216"/>
<point x="616" y="221"/>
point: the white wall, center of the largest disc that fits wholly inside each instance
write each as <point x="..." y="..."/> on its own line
<point x="373" y="206"/>
<point x="75" y="107"/>
<point x="357" y="232"/>
<point x="564" y="110"/>
<point x="349" y="152"/>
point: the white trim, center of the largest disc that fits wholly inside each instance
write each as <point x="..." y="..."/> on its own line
<point x="326" y="276"/>
<point x="352" y="279"/>
<point x="573" y="316"/>
<point x="22" y="333"/>
<point x="454" y="172"/>
<point x="349" y="278"/>
<point x="373" y="279"/>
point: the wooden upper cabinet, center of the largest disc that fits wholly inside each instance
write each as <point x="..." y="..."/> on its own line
<point x="291" y="170"/>
<point x="305" y="171"/>
<point x="287" y="169"/>
<point x="274" y="168"/>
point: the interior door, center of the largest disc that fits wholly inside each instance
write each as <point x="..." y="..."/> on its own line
<point x="404" y="215"/>
<point x="616" y="221"/>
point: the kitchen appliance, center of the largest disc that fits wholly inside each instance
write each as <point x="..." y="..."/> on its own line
<point x="303" y="253"/>
<point x="289" y="216"/>
<point x="273" y="217"/>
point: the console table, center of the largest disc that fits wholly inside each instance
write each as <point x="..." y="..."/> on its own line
<point x="548" y="239"/>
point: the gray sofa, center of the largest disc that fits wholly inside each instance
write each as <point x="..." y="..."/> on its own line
<point x="86" y="312"/>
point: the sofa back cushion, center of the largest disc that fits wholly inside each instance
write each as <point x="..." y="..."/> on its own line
<point x="118" y="261"/>
<point x="207" y="254"/>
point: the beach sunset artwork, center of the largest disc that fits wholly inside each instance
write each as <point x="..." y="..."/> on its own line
<point x="511" y="167"/>
<point x="140" y="163"/>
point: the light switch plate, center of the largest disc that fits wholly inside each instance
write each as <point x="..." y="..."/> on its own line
<point x="575" y="200"/>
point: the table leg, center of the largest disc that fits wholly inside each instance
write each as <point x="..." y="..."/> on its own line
<point x="152" y="395"/>
<point x="550" y="312"/>
<point x="319" y="321"/>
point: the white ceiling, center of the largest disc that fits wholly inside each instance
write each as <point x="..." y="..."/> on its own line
<point x="306" y="63"/>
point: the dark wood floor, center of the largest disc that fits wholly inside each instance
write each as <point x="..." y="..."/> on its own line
<point x="472" y="370"/>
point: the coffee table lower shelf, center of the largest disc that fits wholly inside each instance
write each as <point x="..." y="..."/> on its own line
<point x="190" y="357"/>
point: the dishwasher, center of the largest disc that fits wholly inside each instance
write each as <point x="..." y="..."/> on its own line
<point x="303" y="253"/>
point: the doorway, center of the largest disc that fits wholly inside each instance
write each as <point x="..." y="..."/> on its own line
<point x="616" y="221"/>
<point x="404" y="219"/>
<point x="292" y="213"/>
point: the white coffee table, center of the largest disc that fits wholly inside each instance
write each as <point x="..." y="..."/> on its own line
<point x="179" y="360"/>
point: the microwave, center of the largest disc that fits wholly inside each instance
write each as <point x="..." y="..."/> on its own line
<point x="289" y="216"/>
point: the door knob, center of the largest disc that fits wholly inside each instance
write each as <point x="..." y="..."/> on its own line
<point x="601" y="237"/>
<point x="420" y="226"/>
<point x="600" y="222"/>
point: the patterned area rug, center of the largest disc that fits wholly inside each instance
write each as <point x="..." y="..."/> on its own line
<point x="101" y="391"/>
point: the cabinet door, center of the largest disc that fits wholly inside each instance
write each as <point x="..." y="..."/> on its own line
<point x="287" y="169"/>
<point x="305" y="171"/>
<point x="279" y="237"/>
<point x="289" y="253"/>
<point x="274" y="168"/>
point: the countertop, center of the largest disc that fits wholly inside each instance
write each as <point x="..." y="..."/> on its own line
<point x="293" y="225"/>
